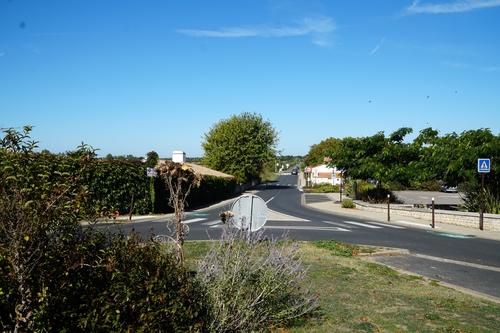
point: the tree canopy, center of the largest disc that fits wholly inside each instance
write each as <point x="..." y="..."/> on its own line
<point x="241" y="146"/>
<point x="449" y="158"/>
<point x="319" y="151"/>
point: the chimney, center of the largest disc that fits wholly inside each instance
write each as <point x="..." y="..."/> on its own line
<point x="178" y="156"/>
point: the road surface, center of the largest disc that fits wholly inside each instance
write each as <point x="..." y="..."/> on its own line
<point x="448" y="255"/>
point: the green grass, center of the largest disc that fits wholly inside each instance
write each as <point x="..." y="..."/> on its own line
<point x="360" y="296"/>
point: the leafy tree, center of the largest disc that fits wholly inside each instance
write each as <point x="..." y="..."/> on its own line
<point x="319" y="151"/>
<point x="241" y="146"/>
<point x="152" y="159"/>
<point x="426" y="162"/>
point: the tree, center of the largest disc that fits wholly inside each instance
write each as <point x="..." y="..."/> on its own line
<point x="241" y="146"/>
<point x="152" y="159"/>
<point x="319" y="151"/>
<point x="377" y="157"/>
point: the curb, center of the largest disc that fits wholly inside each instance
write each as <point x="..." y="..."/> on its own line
<point x="444" y="284"/>
<point x="385" y="252"/>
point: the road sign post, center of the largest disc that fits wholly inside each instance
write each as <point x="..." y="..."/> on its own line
<point x="483" y="166"/>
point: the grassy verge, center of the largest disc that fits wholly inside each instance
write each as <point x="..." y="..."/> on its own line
<point x="360" y="296"/>
<point x="269" y="176"/>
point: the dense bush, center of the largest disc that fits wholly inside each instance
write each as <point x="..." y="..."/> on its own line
<point x="253" y="283"/>
<point x="98" y="282"/>
<point x="354" y="188"/>
<point x="55" y="277"/>
<point x="323" y="188"/>
<point x="429" y="185"/>
<point x="348" y="203"/>
<point x="474" y="198"/>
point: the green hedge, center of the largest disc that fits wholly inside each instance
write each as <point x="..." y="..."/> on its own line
<point x="323" y="188"/>
<point x="212" y="189"/>
<point x="118" y="185"/>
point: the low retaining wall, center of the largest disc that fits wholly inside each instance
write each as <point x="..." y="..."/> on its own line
<point x="464" y="219"/>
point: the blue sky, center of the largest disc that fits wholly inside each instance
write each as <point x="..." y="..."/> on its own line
<point x="132" y="76"/>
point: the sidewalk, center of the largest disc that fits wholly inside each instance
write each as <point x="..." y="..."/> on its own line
<point x="334" y="206"/>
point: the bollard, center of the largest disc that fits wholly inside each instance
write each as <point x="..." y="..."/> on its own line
<point x="340" y="190"/>
<point x="433" y="222"/>
<point x="388" y="207"/>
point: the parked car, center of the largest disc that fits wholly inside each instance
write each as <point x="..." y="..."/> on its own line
<point x="295" y="171"/>
<point x="449" y="189"/>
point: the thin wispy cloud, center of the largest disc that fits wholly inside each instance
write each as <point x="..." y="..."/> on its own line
<point x="377" y="47"/>
<point x="451" y="7"/>
<point x="319" y="29"/>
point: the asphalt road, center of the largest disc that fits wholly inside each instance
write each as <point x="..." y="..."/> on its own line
<point x="302" y="223"/>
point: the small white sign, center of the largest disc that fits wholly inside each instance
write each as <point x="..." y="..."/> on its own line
<point x="151" y="172"/>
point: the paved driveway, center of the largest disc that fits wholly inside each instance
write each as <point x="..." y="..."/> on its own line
<point x="425" y="197"/>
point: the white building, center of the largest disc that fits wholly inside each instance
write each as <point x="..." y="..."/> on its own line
<point x="322" y="174"/>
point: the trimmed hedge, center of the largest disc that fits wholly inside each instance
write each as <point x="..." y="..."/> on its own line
<point x="212" y="189"/>
<point x="119" y="185"/>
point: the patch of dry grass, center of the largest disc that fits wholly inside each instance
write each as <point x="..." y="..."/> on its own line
<point x="360" y="296"/>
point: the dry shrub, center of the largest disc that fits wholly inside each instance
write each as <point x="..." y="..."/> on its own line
<point x="253" y="283"/>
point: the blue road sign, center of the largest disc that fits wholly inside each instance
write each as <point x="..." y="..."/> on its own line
<point x="483" y="165"/>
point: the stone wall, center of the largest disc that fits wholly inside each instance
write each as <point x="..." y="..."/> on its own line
<point x="464" y="219"/>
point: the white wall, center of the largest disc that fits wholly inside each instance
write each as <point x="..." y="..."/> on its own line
<point x="319" y="172"/>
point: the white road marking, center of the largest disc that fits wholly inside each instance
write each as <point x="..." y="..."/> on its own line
<point x="339" y="224"/>
<point x="387" y="225"/>
<point x="194" y="220"/>
<point x="417" y="224"/>
<point x="301" y="227"/>
<point x="363" y="225"/>
<point x="456" y="262"/>
<point x="277" y="216"/>
<point x="268" y="201"/>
